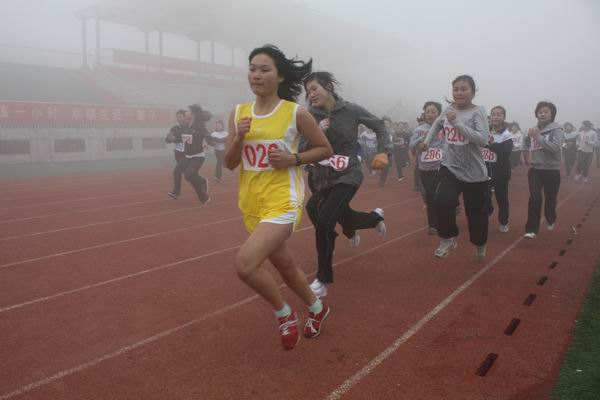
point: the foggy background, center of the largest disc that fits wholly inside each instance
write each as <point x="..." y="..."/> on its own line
<point x="390" y="56"/>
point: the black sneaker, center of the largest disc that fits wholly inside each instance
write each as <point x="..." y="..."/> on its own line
<point x="173" y="195"/>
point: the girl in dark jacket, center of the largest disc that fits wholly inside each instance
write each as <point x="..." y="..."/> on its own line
<point x="334" y="182"/>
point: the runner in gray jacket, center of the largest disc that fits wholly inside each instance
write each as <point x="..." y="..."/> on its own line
<point x="542" y="149"/>
<point x="462" y="169"/>
<point x="334" y="182"/>
<point x="428" y="162"/>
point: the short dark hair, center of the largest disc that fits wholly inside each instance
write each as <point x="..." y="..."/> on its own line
<point x="325" y="79"/>
<point x="468" y="79"/>
<point x="547" y="104"/>
<point x="437" y="106"/>
<point x="180" y="112"/>
<point x="291" y="70"/>
<point x="499" y="108"/>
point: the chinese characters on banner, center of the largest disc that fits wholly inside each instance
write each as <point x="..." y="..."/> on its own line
<point x="20" y="113"/>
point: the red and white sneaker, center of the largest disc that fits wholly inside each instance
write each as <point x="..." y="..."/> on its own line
<point x="314" y="323"/>
<point x="288" y="329"/>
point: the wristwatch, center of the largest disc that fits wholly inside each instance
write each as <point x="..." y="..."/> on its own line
<point x="298" y="160"/>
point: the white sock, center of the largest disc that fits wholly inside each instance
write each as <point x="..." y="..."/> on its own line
<point x="316" y="307"/>
<point x="284" y="312"/>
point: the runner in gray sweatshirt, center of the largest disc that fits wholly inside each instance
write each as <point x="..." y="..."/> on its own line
<point x="585" y="150"/>
<point x="462" y="169"/>
<point x="428" y="161"/>
<point x="334" y="182"/>
<point x="542" y="149"/>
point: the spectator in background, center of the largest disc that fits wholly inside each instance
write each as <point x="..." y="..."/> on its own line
<point x="585" y="150"/>
<point x="368" y="143"/>
<point x="570" y="147"/>
<point x="217" y="139"/>
<point x="597" y="147"/>
<point x="517" y="139"/>
<point x="194" y="140"/>
<point x="174" y="136"/>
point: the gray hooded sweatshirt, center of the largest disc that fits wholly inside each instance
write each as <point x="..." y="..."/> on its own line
<point x="432" y="158"/>
<point x="545" y="152"/>
<point x="464" y="140"/>
<point x="343" y="136"/>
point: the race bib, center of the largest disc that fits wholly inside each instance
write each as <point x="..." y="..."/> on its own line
<point x="337" y="162"/>
<point x="535" y="144"/>
<point x="488" y="155"/>
<point x="179" y="147"/>
<point x="517" y="141"/>
<point x="255" y="155"/>
<point x="432" y="154"/>
<point x="453" y="136"/>
<point x="324" y="124"/>
<point x="187" y="139"/>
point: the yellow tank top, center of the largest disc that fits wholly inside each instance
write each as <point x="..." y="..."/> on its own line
<point x="266" y="192"/>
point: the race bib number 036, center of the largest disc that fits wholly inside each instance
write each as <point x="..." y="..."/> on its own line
<point x="338" y="163"/>
<point x="431" y="155"/>
<point x="255" y="154"/>
<point x="488" y="155"/>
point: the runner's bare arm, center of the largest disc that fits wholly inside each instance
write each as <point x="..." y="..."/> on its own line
<point x="235" y="140"/>
<point x="308" y="127"/>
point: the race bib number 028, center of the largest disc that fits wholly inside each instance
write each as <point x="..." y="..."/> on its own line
<point x="488" y="155"/>
<point x="255" y="155"/>
<point x="338" y="163"/>
<point x="431" y="155"/>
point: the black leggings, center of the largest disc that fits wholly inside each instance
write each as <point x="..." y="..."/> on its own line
<point x="429" y="180"/>
<point x="477" y="202"/>
<point x="501" y="192"/>
<point x="548" y="182"/>
<point x="180" y="164"/>
<point x="327" y="207"/>
<point x="219" y="155"/>
<point x="192" y="166"/>
<point x="583" y="163"/>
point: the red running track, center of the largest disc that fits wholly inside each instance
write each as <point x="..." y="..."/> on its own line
<point x="119" y="293"/>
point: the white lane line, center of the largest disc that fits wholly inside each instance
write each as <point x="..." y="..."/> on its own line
<point x="114" y="243"/>
<point x="143" y="272"/>
<point x="388" y="352"/>
<point x="137" y="203"/>
<point x="96" y="198"/>
<point x="163" y="334"/>
<point x="109" y="244"/>
<point x="70" y="228"/>
<point x="40" y="194"/>
<point x="74" y="200"/>
<point x="118" y="279"/>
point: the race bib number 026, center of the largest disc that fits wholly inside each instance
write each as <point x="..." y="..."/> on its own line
<point x="338" y="163"/>
<point x="255" y="154"/>
<point x="488" y="155"/>
<point x="453" y="136"/>
<point x="431" y="155"/>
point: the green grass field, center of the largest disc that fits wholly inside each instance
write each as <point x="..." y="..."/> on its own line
<point x="579" y="377"/>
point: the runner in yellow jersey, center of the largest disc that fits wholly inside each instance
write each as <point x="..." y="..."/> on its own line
<point x="263" y="141"/>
